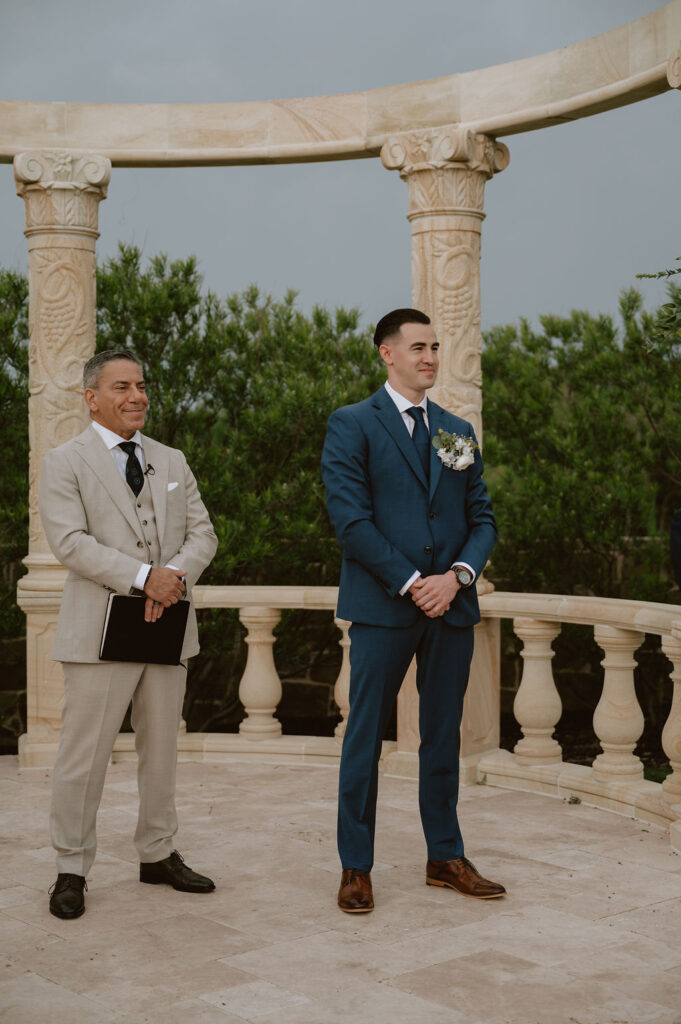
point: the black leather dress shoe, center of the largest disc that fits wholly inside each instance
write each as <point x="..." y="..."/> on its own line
<point x="173" y="871"/>
<point x="67" y="898"/>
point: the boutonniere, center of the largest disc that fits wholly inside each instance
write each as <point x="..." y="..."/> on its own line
<point x="455" y="450"/>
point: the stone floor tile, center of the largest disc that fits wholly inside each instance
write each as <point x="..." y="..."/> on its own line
<point x="661" y="921"/>
<point x="502" y="988"/>
<point x="31" y="999"/>
<point x="363" y="1003"/>
<point x="254" y="999"/>
<point x="339" y="960"/>
<point x="630" y="974"/>
<point x="13" y="895"/>
<point x="186" y="1011"/>
<point x="16" y="935"/>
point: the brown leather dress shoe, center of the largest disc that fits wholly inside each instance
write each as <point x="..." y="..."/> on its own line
<point x="461" y="875"/>
<point x="355" y="895"/>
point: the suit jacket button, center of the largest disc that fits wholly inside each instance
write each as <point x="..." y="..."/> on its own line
<point x="139" y="504"/>
<point x="428" y="549"/>
<point x="144" y="522"/>
<point x="140" y="544"/>
<point x="431" y="515"/>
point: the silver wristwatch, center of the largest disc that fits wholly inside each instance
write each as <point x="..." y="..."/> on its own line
<point x="463" y="575"/>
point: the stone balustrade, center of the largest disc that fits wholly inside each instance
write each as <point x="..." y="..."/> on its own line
<point x="615" y="780"/>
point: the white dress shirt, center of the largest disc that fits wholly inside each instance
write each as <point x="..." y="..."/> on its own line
<point x="120" y="457"/>
<point x="403" y="404"/>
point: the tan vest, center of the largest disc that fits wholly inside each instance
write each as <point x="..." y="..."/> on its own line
<point x="144" y="510"/>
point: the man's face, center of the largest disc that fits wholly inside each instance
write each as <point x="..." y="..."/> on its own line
<point x="119" y="401"/>
<point x="411" y="357"/>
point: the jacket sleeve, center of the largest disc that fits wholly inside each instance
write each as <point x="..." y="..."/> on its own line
<point x="482" y="529"/>
<point x="200" y="542"/>
<point x="350" y="506"/>
<point x="66" y="527"/>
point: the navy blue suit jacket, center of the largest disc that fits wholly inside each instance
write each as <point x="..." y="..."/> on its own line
<point x="391" y="522"/>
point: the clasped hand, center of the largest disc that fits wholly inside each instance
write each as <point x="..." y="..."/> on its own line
<point x="163" y="588"/>
<point x="434" y="594"/>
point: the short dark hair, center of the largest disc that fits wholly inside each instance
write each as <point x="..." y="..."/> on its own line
<point x="94" y="366"/>
<point x="392" y="322"/>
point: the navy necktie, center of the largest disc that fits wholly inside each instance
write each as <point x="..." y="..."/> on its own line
<point x="421" y="437"/>
<point x="133" y="470"/>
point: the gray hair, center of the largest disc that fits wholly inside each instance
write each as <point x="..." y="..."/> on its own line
<point x="94" y="366"/>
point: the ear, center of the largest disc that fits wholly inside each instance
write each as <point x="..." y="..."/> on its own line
<point x="386" y="354"/>
<point x="90" y="399"/>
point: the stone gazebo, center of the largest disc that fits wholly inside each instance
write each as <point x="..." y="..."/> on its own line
<point x="442" y="136"/>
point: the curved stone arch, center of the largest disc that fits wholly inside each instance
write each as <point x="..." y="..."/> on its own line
<point x="616" y="68"/>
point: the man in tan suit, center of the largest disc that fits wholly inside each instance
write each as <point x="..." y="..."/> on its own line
<point x="123" y="513"/>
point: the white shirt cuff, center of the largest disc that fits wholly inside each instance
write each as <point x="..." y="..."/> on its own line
<point x="141" y="577"/>
<point x="405" y="588"/>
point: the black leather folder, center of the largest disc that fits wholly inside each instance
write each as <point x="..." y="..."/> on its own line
<point x="127" y="637"/>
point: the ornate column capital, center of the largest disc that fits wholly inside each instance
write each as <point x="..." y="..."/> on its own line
<point x="62" y="190"/>
<point x="449" y="146"/>
<point x="446" y="170"/>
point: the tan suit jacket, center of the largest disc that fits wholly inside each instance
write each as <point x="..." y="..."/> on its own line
<point x="92" y="529"/>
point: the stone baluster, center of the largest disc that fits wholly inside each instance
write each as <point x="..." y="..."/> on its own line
<point x="62" y="192"/>
<point x="537" y="706"/>
<point x="260" y="686"/>
<point x="445" y="170"/>
<point x="671" y="734"/>
<point x="618" y="719"/>
<point x="341" y="690"/>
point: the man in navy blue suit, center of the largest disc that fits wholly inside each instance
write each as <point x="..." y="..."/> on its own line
<point x="415" y="533"/>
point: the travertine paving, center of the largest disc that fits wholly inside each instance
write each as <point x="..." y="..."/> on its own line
<point x="590" y="932"/>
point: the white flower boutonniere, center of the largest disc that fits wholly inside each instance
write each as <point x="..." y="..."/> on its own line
<point x="455" y="450"/>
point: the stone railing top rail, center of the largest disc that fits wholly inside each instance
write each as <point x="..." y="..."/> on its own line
<point x="626" y="64"/>
<point x="640" y="616"/>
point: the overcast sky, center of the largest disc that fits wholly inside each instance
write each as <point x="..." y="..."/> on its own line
<point x="580" y="210"/>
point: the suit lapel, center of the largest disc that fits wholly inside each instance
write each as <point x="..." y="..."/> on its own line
<point x="435" y="420"/>
<point x="100" y="460"/>
<point x="389" y="416"/>
<point x="156" y="456"/>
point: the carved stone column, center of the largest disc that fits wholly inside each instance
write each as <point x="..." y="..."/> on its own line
<point x="62" y="192"/>
<point x="445" y="170"/>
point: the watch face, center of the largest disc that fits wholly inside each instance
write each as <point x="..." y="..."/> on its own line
<point x="463" y="576"/>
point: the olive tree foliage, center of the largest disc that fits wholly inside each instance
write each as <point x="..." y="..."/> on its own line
<point x="580" y="424"/>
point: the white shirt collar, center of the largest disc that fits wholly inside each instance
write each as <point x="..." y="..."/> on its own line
<point x="111" y="440"/>
<point x="403" y="403"/>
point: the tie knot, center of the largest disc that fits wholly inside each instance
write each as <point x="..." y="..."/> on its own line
<point x="416" y="413"/>
<point x="128" y="447"/>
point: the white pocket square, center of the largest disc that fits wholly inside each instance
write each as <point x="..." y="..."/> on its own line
<point x="171" y="487"/>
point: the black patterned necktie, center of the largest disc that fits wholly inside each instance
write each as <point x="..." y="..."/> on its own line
<point x="421" y="437"/>
<point x="133" y="470"/>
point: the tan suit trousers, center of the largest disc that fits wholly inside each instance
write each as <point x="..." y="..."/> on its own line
<point x="97" y="698"/>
